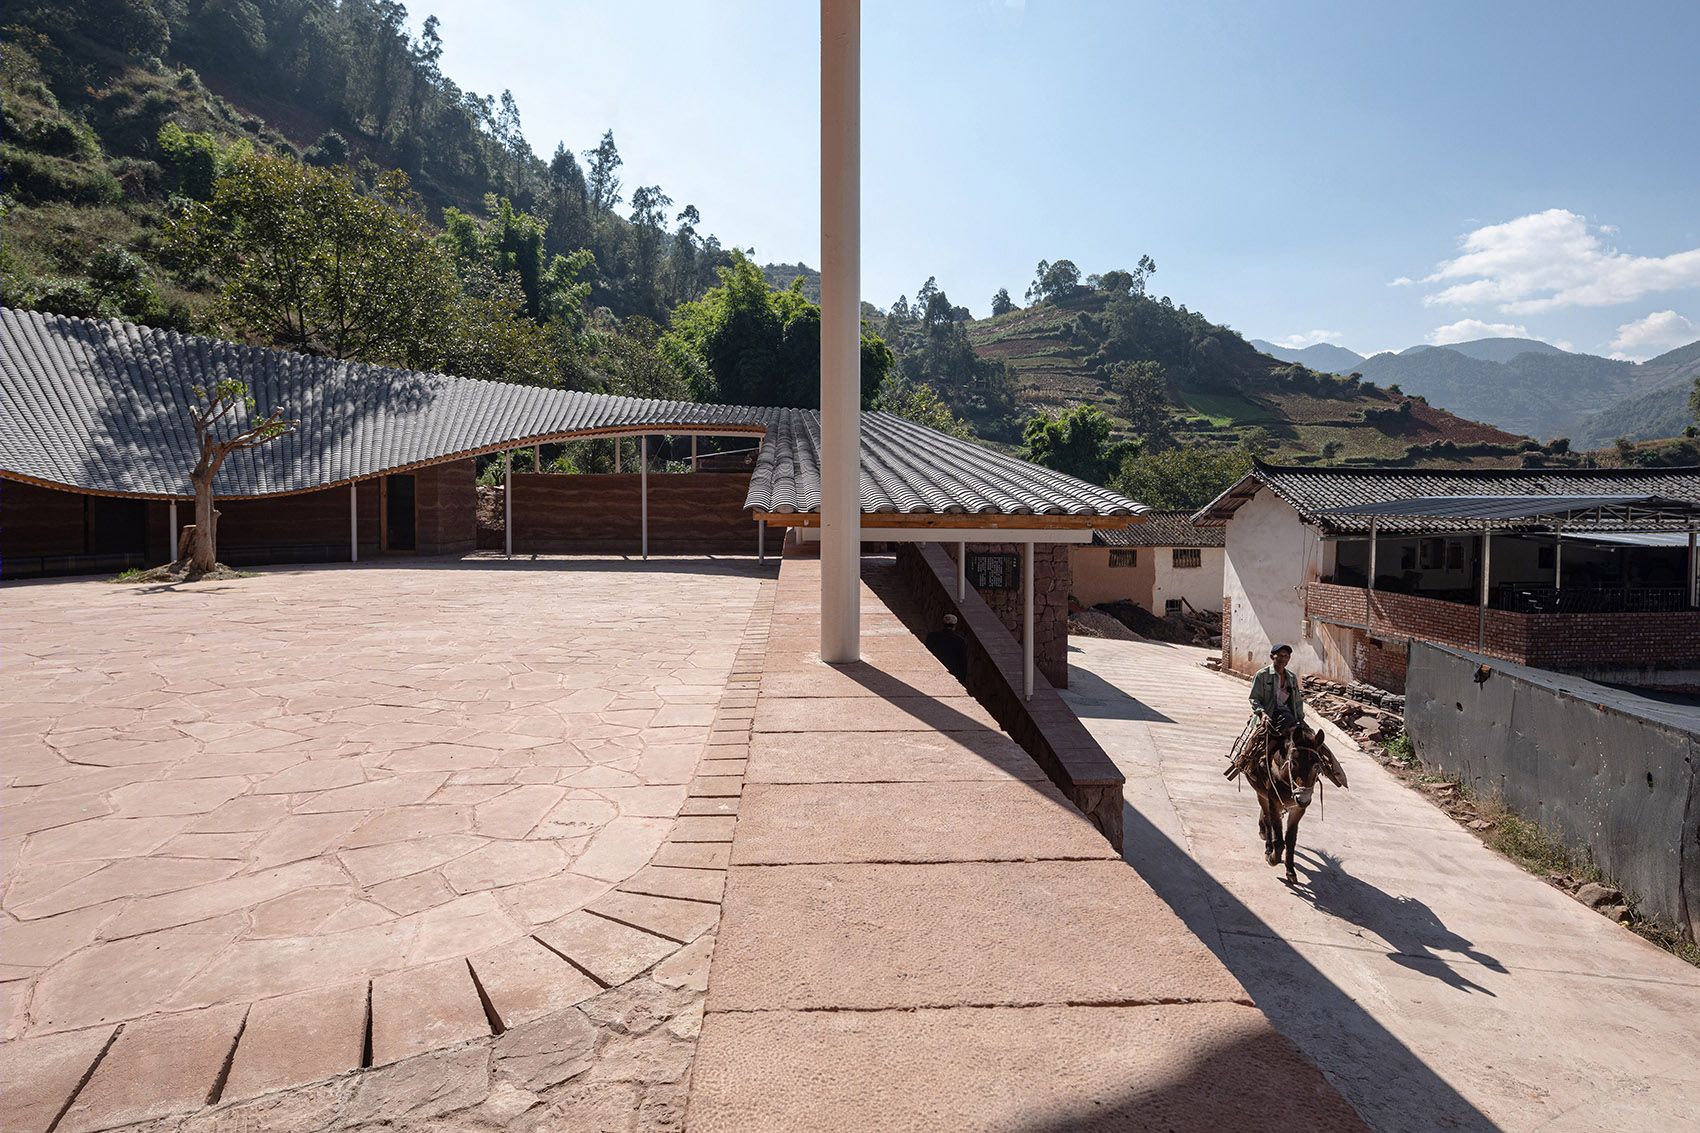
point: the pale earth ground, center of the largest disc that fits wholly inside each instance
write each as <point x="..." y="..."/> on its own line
<point x="1436" y="984"/>
<point x="444" y="795"/>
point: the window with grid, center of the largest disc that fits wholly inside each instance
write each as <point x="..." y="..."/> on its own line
<point x="1171" y="606"/>
<point x="1188" y="557"/>
<point x="1125" y="558"/>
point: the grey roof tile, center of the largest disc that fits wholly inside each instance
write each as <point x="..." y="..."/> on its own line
<point x="101" y="406"/>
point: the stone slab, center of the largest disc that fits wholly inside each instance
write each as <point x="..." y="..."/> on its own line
<point x="1177" y="1067"/>
<point x="694" y="855"/>
<point x="676" y="919"/>
<point x="41" y="1073"/>
<point x="611" y="952"/>
<point x="912" y="757"/>
<point x="862" y="679"/>
<point x="912" y="822"/>
<point x="292" y="1040"/>
<point x="703" y="828"/>
<point x="161" y="1065"/>
<point x="424" y="1008"/>
<point x="861" y="937"/>
<point x="526" y="981"/>
<point x="864" y="714"/>
<point x="684" y="884"/>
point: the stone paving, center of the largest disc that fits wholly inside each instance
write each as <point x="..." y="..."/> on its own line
<point x="1436" y="984"/>
<point x="262" y="833"/>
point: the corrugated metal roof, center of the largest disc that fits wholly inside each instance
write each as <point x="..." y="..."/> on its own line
<point x="1318" y="494"/>
<point x="1162" y="529"/>
<point x="101" y="406"/>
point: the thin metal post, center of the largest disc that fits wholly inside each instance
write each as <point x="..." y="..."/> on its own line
<point x="1027" y="621"/>
<point x="1369" y="583"/>
<point x="353" y="522"/>
<point x="1558" y="562"/>
<point x="616" y="454"/>
<point x="537" y="458"/>
<point x="643" y="489"/>
<point x="173" y="521"/>
<point x="1487" y="568"/>
<point x="693" y="452"/>
<point x="508" y="502"/>
<point x="840" y="333"/>
<point x="761" y="541"/>
<point x="1693" y="574"/>
<point x="961" y="571"/>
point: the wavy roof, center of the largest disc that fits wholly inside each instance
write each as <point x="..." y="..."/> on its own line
<point x="100" y="406"/>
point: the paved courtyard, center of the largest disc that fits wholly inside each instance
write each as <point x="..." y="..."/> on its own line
<point x="326" y="808"/>
<point x="1436" y="984"/>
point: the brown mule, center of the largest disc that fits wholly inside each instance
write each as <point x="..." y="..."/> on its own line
<point x="1285" y="778"/>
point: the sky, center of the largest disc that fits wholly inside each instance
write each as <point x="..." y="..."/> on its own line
<point x="1370" y="175"/>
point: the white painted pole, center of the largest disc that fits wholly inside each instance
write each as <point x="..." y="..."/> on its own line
<point x="761" y="541"/>
<point x="643" y="489"/>
<point x="616" y="454"/>
<point x="1369" y="583"/>
<point x="353" y="522"/>
<point x="508" y="501"/>
<point x="1487" y="569"/>
<point x="172" y="548"/>
<point x="841" y="338"/>
<point x="1558" y="561"/>
<point x="693" y="452"/>
<point x="1693" y="574"/>
<point x="537" y="458"/>
<point x="961" y="571"/>
<point x="1027" y="621"/>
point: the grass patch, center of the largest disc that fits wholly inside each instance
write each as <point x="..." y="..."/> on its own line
<point x="1226" y="408"/>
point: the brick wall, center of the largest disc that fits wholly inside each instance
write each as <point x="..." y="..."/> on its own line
<point x="1561" y="642"/>
<point x="1227" y="631"/>
<point x="689" y="513"/>
<point x="1052" y="580"/>
<point x="446" y="508"/>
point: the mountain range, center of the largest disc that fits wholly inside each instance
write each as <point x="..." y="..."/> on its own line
<point x="1528" y="386"/>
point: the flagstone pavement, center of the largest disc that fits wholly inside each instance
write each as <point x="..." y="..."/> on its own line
<point x="283" y="827"/>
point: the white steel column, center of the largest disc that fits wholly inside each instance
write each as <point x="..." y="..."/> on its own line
<point x="616" y="454"/>
<point x="1558" y="562"/>
<point x="840" y="332"/>
<point x="643" y="490"/>
<point x="693" y="452"/>
<point x="1693" y="574"/>
<point x="1027" y="620"/>
<point x="961" y="571"/>
<point x="353" y="522"/>
<point x="508" y="502"/>
<point x="173" y="522"/>
<point x="537" y="458"/>
<point x="1487" y="568"/>
<point x="761" y="541"/>
<point x="1369" y="583"/>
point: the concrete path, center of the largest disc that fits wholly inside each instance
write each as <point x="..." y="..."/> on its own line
<point x="920" y="932"/>
<point x="1436" y="984"/>
<point x="261" y="833"/>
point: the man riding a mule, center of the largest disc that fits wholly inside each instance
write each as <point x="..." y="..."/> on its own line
<point x="1281" y="757"/>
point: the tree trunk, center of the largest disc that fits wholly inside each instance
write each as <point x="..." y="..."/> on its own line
<point x="205" y="556"/>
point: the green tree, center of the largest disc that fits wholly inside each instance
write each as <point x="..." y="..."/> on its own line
<point x="1143" y="401"/>
<point x="227" y="397"/>
<point x="1183" y="478"/>
<point x="1256" y="440"/>
<point x="1053" y="282"/>
<point x="1002" y="304"/>
<point x="1694" y="401"/>
<point x="747" y="344"/>
<point x="1077" y="443"/>
<point x="601" y="182"/>
<point x="919" y="402"/>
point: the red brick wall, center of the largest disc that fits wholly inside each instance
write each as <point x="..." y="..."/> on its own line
<point x="1546" y="641"/>
<point x="689" y="513"/>
<point x="1052" y="580"/>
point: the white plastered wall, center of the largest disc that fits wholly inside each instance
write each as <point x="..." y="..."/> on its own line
<point x="1200" y="585"/>
<point x="1271" y="554"/>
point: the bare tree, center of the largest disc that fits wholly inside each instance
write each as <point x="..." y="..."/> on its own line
<point x="226" y="397"/>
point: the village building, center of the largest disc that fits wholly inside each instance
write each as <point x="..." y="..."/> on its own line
<point x="98" y="446"/>
<point x="1164" y="565"/>
<point x="1584" y="571"/>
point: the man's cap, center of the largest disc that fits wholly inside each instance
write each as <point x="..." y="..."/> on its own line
<point x="1281" y="649"/>
<point x="950" y="619"/>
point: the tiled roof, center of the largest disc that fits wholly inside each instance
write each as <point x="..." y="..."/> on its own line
<point x="1163" y="529"/>
<point x="1312" y="491"/>
<point x="100" y="406"/>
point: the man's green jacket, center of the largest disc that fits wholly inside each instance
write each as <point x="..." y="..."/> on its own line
<point x="1263" y="693"/>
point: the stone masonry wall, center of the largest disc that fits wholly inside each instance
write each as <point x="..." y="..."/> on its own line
<point x="1052" y="580"/>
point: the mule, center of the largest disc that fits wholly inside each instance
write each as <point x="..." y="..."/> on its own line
<point x="1285" y="780"/>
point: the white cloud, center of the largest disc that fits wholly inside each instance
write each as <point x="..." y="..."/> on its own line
<point x="1468" y="330"/>
<point x="1402" y="281"/>
<point x="1308" y="338"/>
<point x="1654" y="334"/>
<point x="1548" y="260"/>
